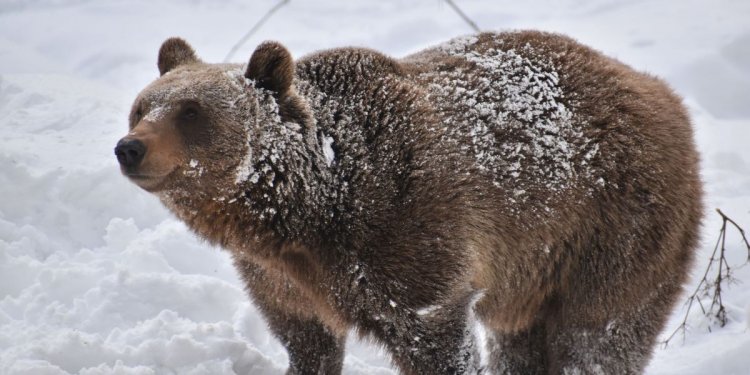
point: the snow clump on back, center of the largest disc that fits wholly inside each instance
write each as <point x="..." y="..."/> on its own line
<point x="510" y="104"/>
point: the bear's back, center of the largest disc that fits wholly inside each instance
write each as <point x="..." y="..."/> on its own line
<point x="549" y="122"/>
<point x="546" y="127"/>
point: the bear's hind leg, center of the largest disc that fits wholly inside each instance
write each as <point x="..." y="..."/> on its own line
<point x="622" y="345"/>
<point x="618" y="348"/>
<point x="517" y="353"/>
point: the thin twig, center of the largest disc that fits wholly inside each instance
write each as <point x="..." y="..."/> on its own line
<point x="463" y="15"/>
<point x="742" y="232"/>
<point x="712" y="289"/>
<point x="255" y="28"/>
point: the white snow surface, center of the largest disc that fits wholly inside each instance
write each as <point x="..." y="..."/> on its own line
<point x="97" y="278"/>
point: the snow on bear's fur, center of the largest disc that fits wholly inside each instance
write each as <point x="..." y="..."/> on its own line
<point x="517" y="179"/>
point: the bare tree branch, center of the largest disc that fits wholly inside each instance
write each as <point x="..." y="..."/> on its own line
<point x="255" y="28"/>
<point x="711" y="287"/>
<point x="463" y="15"/>
<point x="742" y="232"/>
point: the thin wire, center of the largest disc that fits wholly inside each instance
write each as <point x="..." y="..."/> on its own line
<point x="254" y="29"/>
<point x="463" y="15"/>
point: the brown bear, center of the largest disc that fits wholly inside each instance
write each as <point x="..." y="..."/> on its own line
<point x="519" y="180"/>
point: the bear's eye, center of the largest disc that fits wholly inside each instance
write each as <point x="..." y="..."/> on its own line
<point x="136" y="116"/>
<point x="189" y="113"/>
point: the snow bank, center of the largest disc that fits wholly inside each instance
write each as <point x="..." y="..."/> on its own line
<point x="97" y="278"/>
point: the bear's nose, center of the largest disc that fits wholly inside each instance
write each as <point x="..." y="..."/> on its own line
<point x="130" y="152"/>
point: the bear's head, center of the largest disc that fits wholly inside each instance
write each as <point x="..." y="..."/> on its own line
<point x="205" y="129"/>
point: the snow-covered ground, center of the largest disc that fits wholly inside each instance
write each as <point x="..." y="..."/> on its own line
<point x="97" y="278"/>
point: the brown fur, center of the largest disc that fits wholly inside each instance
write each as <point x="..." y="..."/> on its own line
<point x="175" y="52"/>
<point x="570" y="245"/>
<point x="272" y="68"/>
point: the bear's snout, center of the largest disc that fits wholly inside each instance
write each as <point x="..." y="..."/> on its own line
<point x="129" y="153"/>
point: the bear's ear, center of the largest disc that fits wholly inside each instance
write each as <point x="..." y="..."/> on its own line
<point x="271" y="67"/>
<point x="173" y="53"/>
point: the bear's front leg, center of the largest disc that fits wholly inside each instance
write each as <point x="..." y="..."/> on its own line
<point x="432" y="340"/>
<point x="313" y="348"/>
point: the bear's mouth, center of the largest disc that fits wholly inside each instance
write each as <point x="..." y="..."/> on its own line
<point x="149" y="182"/>
<point x="142" y="177"/>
